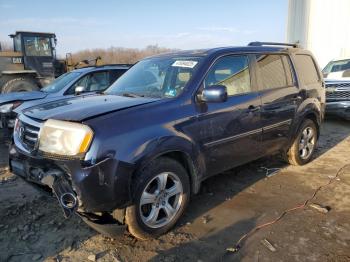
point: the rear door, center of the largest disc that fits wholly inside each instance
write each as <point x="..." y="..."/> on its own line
<point x="280" y="98"/>
<point x="230" y="132"/>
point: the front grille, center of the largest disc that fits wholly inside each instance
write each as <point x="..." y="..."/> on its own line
<point x="338" y="91"/>
<point x="28" y="134"/>
<point x="336" y="85"/>
<point x="338" y="95"/>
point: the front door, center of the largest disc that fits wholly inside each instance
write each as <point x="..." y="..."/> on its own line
<point x="230" y="132"/>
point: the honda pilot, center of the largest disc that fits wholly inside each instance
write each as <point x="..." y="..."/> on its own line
<point x="132" y="157"/>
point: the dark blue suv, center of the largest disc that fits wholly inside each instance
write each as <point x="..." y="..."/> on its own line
<point x="132" y="156"/>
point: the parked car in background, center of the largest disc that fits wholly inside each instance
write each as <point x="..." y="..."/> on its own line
<point x="80" y="81"/>
<point x="337" y="69"/>
<point x="133" y="156"/>
<point x="337" y="79"/>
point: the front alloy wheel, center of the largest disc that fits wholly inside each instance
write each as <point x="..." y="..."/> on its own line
<point x="161" y="200"/>
<point x="161" y="194"/>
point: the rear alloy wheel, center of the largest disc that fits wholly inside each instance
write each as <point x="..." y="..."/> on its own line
<point x="162" y="193"/>
<point x="307" y="143"/>
<point x="304" y="144"/>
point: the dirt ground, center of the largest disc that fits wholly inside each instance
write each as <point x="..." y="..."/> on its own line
<point x="32" y="227"/>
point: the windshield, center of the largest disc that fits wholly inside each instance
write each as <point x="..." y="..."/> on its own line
<point x="156" y="77"/>
<point x="336" y="66"/>
<point x="37" y="46"/>
<point x="59" y="83"/>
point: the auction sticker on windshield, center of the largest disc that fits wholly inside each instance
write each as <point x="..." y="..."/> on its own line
<point x="185" y="63"/>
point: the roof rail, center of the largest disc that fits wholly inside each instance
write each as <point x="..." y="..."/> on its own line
<point x="295" y="45"/>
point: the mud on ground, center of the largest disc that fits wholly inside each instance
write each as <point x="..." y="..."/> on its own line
<point x="32" y="227"/>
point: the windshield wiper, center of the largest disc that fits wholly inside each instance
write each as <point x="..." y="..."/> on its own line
<point x="132" y="95"/>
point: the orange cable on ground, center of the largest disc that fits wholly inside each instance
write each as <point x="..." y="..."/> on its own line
<point x="237" y="246"/>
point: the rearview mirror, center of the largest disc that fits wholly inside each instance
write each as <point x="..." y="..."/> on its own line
<point x="214" y="94"/>
<point x="79" y="89"/>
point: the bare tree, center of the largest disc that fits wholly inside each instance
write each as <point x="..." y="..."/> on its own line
<point x="6" y="45"/>
<point x="119" y="55"/>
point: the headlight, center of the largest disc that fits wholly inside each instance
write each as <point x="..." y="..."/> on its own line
<point x="65" y="138"/>
<point x="7" y="108"/>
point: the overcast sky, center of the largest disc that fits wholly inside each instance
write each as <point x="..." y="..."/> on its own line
<point x="82" y="24"/>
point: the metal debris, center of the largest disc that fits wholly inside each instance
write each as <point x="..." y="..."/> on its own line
<point x="206" y="219"/>
<point x="92" y="257"/>
<point x="319" y="208"/>
<point x="268" y="245"/>
<point x="269" y="172"/>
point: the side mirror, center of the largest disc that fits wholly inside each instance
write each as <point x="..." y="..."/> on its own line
<point x="214" y="94"/>
<point x="78" y="90"/>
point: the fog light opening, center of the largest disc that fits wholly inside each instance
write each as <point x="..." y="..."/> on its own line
<point x="68" y="200"/>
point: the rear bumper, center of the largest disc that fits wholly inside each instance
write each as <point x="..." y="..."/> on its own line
<point x="102" y="187"/>
<point x="341" y="108"/>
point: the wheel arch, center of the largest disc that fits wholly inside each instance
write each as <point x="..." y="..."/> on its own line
<point x="179" y="149"/>
<point x="313" y="116"/>
<point x="186" y="161"/>
<point x="310" y="109"/>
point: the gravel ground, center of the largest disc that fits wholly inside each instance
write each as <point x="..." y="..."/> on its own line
<point x="32" y="227"/>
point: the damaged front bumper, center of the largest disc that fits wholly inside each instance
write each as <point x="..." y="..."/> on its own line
<point x="7" y="123"/>
<point x="92" y="191"/>
<point x="8" y="119"/>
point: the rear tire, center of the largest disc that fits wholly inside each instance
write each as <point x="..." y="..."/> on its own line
<point x="303" y="147"/>
<point x="19" y="84"/>
<point x="162" y="192"/>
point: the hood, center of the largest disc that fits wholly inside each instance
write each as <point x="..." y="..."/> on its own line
<point x="337" y="76"/>
<point x="49" y="98"/>
<point x="83" y="107"/>
<point x="21" y="96"/>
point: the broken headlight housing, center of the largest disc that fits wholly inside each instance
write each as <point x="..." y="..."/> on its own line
<point x="65" y="138"/>
<point x="7" y="108"/>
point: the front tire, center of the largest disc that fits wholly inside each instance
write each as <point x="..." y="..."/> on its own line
<point x="303" y="147"/>
<point x="162" y="192"/>
<point x="20" y="84"/>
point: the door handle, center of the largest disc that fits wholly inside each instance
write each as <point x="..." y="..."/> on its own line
<point x="253" y="108"/>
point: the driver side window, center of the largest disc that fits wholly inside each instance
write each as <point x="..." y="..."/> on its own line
<point x="231" y="72"/>
<point x="96" y="81"/>
<point x="81" y="82"/>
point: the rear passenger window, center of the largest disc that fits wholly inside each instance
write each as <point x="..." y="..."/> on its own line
<point x="275" y="71"/>
<point x="232" y="72"/>
<point x="307" y="69"/>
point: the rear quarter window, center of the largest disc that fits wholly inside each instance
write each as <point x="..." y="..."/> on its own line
<point x="306" y="67"/>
